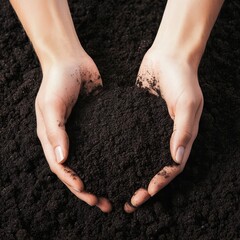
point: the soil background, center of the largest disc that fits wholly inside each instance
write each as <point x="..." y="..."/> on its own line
<point x="201" y="203"/>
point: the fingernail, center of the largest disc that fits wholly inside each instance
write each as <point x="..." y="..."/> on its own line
<point x="128" y="208"/>
<point x="179" y="155"/>
<point x="131" y="205"/>
<point x="59" y="154"/>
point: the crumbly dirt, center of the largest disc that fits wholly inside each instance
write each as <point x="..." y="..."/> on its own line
<point x="120" y="140"/>
<point x="201" y="203"/>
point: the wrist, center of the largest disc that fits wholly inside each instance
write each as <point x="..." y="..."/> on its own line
<point x="185" y="29"/>
<point x="50" y="50"/>
<point x="188" y="54"/>
<point x="50" y="28"/>
<point x="173" y="63"/>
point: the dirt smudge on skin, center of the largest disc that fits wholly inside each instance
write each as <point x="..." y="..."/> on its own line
<point x="163" y="173"/>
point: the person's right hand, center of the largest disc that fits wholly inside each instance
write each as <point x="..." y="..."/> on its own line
<point x="61" y="85"/>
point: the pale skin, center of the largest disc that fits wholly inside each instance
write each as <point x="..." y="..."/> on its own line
<point x="67" y="69"/>
<point x="172" y="62"/>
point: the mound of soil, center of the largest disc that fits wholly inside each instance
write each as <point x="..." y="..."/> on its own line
<point x="120" y="140"/>
<point x="201" y="203"/>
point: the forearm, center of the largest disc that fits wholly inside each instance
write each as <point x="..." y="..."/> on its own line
<point x="49" y="26"/>
<point x="185" y="28"/>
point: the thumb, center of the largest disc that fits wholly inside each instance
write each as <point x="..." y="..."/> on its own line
<point x="54" y="116"/>
<point x="182" y="133"/>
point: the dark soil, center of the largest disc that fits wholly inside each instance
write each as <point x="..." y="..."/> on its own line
<point x="120" y="139"/>
<point x="201" y="203"/>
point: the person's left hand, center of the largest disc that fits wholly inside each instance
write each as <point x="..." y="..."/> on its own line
<point x="177" y="82"/>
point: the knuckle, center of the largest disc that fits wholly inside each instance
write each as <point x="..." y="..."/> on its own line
<point x="38" y="99"/>
<point x="194" y="135"/>
<point x="181" y="168"/>
<point x="47" y="101"/>
<point x="51" y="135"/>
<point x="52" y="169"/>
<point x="92" y="202"/>
<point x="36" y="102"/>
<point x="39" y="133"/>
<point x="186" y="137"/>
<point x="191" y="103"/>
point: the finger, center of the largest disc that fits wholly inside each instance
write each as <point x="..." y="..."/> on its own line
<point x="54" y="112"/>
<point x="101" y="202"/>
<point x="162" y="178"/>
<point x="68" y="177"/>
<point x="184" y="121"/>
<point x="65" y="174"/>
<point x="159" y="181"/>
<point x="138" y="198"/>
<point x="104" y="204"/>
<point x="185" y="132"/>
<point x="87" y="197"/>
<point x="168" y="173"/>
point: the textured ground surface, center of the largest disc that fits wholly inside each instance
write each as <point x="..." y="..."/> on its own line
<point x="202" y="203"/>
<point x="129" y="143"/>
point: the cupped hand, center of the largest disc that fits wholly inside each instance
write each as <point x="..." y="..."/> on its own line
<point x="177" y="82"/>
<point x="59" y="90"/>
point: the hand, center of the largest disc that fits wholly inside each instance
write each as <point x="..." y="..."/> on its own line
<point x="61" y="85"/>
<point x="170" y="68"/>
<point x="177" y="82"/>
<point x="67" y="69"/>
